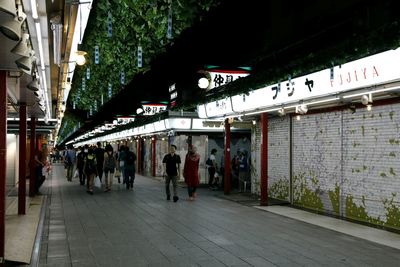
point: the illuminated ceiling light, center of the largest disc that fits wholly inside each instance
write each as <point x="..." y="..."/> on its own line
<point x="80" y="58"/>
<point x="254" y="122"/>
<point x="203" y="83"/>
<point x="281" y="112"/>
<point x="21" y="48"/>
<point x="12" y="28"/>
<point x="67" y="86"/>
<point x="367" y="100"/>
<point x="298" y="117"/>
<point x="364" y="99"/>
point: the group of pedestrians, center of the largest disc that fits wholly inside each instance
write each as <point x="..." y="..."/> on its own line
<point x="92" y="162"/>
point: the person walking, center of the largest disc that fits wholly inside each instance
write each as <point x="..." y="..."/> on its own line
<point x="109" y="166"/>
<point x="212" y="168"/>
<point x="90" y="169"/>
<point x="171" y="167"/>
<point x="129" y="168"/>
<point x="80" y="160"/>
<point x="70" y="160"/>
<point x="99" y="152"/>
<point x="191" y="172"/>
<point x="121" y="162"/>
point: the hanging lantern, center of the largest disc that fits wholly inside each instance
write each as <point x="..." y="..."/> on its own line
<point x="140" y="55"/>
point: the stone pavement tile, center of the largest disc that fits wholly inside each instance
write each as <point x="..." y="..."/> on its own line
<point x="196" y="253"/>
<point x="230" y="259"/>
<point x="84" y="263"/>
<point x="210" y="263"/>
<point x="80" y="253"/>
<point x="258" y="262"/>
<point x="58" y="262"/>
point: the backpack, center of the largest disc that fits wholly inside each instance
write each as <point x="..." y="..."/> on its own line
<point x="130" y="158"/>
<point x="209" y="162"/>
<point x="110" y="161"/>
<point x="90" y="165"/>
<point x="67" y="161"/>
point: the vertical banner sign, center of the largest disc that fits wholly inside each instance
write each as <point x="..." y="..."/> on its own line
<point x="79" y="124"/>
<point x="102" y="99"/>
<point x="88" y="73"/>
<point x="139" y="55"/>
<point x="73" y="104"/>
<point x="83" y="84"/>
<point x="122" y="77"/>
<point x="95" y="105"/>
<point x="78" y="97"/>
<point x="109" y="90"/>
<point x="90" y="111"/>
<point x="96" y="54"/>
<point x="109" y="24"/>
<point x="169" y="30"/>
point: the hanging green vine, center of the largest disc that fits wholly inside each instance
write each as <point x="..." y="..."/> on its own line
<point x="134" y="23"/>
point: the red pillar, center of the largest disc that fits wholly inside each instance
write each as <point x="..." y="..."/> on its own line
<point x="3" y="159"/>
<point x="22" y="159"/>
<point x="264" y="160"/>
<point x="153" y="155"/>
<point x="32" y="171"/>
<point x="227" y="158"/>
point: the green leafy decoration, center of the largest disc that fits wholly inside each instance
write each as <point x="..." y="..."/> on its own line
<point x="134" y="23"/>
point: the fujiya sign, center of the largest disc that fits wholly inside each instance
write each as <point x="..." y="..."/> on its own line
<point x="370" y="71"/>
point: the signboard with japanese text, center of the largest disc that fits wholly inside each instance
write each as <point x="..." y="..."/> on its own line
<point x="149" y="109"/>
<point x="370" y="71"/>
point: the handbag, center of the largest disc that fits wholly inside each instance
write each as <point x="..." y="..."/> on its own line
<point x="117" y="173"/>
<point x="97" y="182"/>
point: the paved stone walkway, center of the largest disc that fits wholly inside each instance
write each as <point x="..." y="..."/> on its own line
<point x="141" y="228"/>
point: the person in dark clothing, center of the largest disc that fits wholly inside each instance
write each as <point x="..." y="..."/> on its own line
<point x="39" y="171"/>
<point x="171" y="165"/>
<point x="99" y="152"/>
<point x="129" y="168"/>
<point x="80" y="158"/>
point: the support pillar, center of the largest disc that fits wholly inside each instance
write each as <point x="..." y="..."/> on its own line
<point x="153" y="155"/>
<point x="3" y="160"/>
<point x="227" y="158"/>
<point x="264" y="160"/>
<point x="22" y="159"/>
<point x="32" y="171"/>
<point x="139" y="158"/>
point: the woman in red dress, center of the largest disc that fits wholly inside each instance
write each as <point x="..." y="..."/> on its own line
<point x="191" y="171"/>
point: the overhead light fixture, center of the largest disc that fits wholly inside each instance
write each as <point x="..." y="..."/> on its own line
<point x="57" y="27"/>
<point x="80" y="58"/>
<point x="33" y="85"/>
<point x="367" y="100"/>
<point x="8" y="7"/>
<point x="12" y="28"/>
<point x="298" y="117"/>
<point x="203" y="83"/>
<point x="22" y="48"/>
<point x="281" y="112"/>
<point x="302" y="109"/>
<point x="25" y="64"/>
